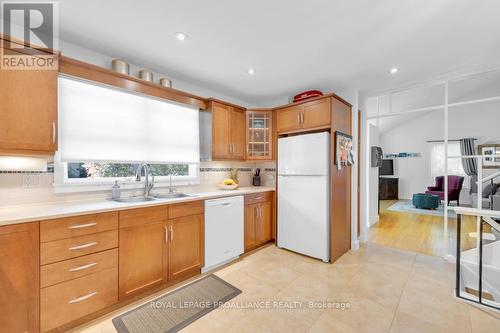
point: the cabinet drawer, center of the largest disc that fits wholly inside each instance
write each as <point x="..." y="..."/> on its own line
<point x="77" y="246"/>
<point x="75" y="268"/>
<point x="257" y="197"/>
<point x="133" y="217"/>
<point x="56" y="229"/>
<point x="186" y="209"/>
<point x="68" y="301"/>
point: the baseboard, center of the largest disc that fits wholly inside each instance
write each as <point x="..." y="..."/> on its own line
<point x="450" y="258"/>
<point x="374" y="220"/>
<point x="355" y="245"/>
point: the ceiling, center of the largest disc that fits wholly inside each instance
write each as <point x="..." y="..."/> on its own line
<point x="331" y="45"/>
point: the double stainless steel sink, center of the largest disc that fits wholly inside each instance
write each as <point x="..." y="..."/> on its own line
<point x="154" y="197"/>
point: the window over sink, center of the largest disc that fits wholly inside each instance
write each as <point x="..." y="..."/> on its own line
<point x="105" y="133"/>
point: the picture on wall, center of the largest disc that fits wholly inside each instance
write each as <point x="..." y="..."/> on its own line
<point x="344" y="154"/>
<point x="492" y="150"/>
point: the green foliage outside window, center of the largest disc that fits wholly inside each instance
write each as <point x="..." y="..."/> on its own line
<point x="112" y="170"/>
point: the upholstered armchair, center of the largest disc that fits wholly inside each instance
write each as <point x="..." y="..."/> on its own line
<point x="454" y="187"/>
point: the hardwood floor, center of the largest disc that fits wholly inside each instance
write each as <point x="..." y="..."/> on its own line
<point x="417" y="232"/>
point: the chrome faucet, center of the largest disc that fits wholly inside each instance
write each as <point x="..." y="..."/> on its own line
<point x="147" y="185"/>
<point x="171" y="189"/>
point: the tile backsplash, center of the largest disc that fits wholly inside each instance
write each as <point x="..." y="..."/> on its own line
<point x="24" y="187"/>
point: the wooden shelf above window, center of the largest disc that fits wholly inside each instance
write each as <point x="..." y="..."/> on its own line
<point x="80" y="69"/>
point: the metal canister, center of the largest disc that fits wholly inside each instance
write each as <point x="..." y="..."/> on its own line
<point x="166" y="82"/>
<point x="120" y="66"/>
<point x="146" y="75"/>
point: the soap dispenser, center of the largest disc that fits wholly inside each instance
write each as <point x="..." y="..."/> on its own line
<point x="115" y="191"/>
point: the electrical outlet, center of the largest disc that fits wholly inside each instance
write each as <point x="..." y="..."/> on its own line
<point x="26" y="181"/>
<point x="31" y="180"/>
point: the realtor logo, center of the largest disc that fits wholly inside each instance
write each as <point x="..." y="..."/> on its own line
<point x="30" y="35"/>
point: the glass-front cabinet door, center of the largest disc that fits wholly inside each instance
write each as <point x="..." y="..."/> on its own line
<point x="259" y="135"/>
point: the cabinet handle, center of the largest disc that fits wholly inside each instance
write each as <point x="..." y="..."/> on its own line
<point x="54" y="133"/>
<point x="82" y="226"/>
<point x="298" y="118"/>
<point x="83" y="298"/>
<point x="258" y="198"/>
<point x="82" y="268"/>
<point x="84" y="246"/>
<point x="166" y="234"/>
<point x="171" y="233"/>
<point x="302" y="118"/>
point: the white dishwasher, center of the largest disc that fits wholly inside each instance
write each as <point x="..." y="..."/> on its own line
<point x="224" y="231"/>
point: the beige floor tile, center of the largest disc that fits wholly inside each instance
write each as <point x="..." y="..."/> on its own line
<point x="388" y="290"/>
<point x="312" y="288"/>
<point x="445" y="312"/>
<point x="252" y="289"/>
<point x="279" y="276"/>
<point x="484" y="321"/>
<point x="408" y="323"/>
<point x="219" y="320"/>
<point x="108" y="327"/>
<point x="278" y="320"/>
<point x="363" y="316"/>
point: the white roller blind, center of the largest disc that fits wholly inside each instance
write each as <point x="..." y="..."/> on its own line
<point x="101" y="124"/>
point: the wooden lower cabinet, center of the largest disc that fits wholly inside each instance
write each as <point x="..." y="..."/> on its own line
<point x="143" y="256"/>
<point x="250" y="227"/>
<point x="155" y="250"/>
<point x="19" y="278"/>
<point x="186" y="246"/>
<point x="264" y="225"/>
<point x="258" y="222"/>
<point x="68" y="301"/>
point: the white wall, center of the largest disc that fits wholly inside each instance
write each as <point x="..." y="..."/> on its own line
<point x="103" y="60"/>
<point x="374" y="140"/>
<point x="412" y="136"/>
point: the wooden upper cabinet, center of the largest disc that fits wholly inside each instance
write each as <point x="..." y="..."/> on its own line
<point x="221" y="136"/>
<point x="314" y="114"/>
<point x="186" y="243"/>
<point x="143" y="250"/>
<point x="260" y="135"/>
<point x="228" y="131"/>
<point x="19" y="278"/>
<point x="28" y="116"/>
<point x="289" y="119"/>
<point x="317" y="113"/>
<point x="238" y="137"/>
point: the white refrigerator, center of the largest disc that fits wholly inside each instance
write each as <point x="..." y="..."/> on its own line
<point x="304" y="194"/>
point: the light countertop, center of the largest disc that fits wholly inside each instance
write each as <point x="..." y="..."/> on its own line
<point x="44" y="211"/>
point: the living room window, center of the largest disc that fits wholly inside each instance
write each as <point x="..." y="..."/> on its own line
<point x="437" y="160"/>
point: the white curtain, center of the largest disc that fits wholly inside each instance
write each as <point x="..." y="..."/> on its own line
<point x="102" y="124"/>
<point x="438" y="160"/>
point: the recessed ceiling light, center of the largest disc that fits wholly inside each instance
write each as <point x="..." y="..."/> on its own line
<point x="393" y="70"/>
<point x="251" y="71"/>
<point x="181" y="36"/>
